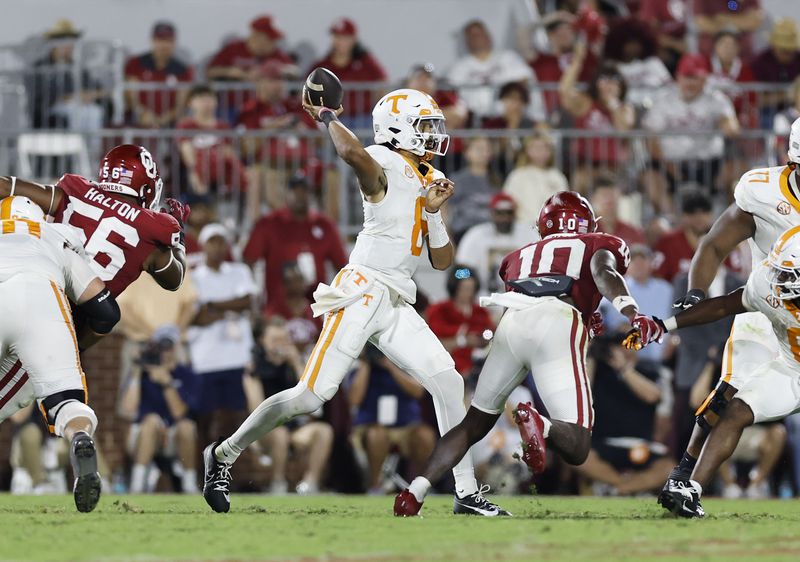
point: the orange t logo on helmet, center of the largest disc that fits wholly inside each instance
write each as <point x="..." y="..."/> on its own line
<point x="394" y="99"/>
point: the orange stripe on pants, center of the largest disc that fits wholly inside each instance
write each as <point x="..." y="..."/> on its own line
<point x="337" y="319"/>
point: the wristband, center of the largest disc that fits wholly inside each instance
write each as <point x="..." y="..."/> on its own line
<point x="437" y="231"/>
<point x="624" y="301"/>
<point x="670" y="324"/>
<point x="327" y="116"/>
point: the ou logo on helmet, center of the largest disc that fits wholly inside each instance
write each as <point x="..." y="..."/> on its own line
<point x="149" y="164"/>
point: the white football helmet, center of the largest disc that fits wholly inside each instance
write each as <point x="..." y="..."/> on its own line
<point x="411" y="120"/>
<point x="784" y="265"/>
<point x="18" y="207"/>
<point x="794" y="142"/>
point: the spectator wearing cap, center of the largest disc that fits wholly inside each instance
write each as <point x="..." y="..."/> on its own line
<point x="707" y="114"/>
<point x="602" y="109"/>
<point x="654" y="294"/>
<point x="549" y="66"/>
<point x="674" y="251"/>
<point x="534" y="178"/>
<point x="668" y="19"/>
<point x="295" y="233"/>
<point x="271" y="110"/>
<point x="208" y="157"/>
<point x="59" y="101"/>
<point x="484" y="246"/>
<point x="220" y="338"/>
<point x="476" y="183"/>
<point x="484" y="69"/>
<point x="156" y="108"/>
<point x="778" y="64"/>
<point x="462" y="325"/>
<point x="238" y="60"/>
<point x="712" y="16"/>
<point x="160" y="396"/>
<point x="606" y="199"/>
<point x="348" y="59"/>
<point x="730" y="74"/>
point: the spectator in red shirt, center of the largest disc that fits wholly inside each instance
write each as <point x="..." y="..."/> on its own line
<point x="210" y="161"/>
<point x="158" y="108"/>
<point x="238" y="60"/>
<point x="730" y="74"/>
<point x="295" y="234"/>
<point x="675" y="249"/>
<point x="460" y="322"/>
<point x="271" y="110"/>
<point x="668" y="20"/>
<point x="602" y="109"/>
<point x="549" y="66"/>
<point x="352" y="62"/>
<point x="780" y="63"/>
<point x="713" y="16"/>
<point x="605" y="200"/>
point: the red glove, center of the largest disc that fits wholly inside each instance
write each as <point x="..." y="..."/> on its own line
<point x="646" y="330"/>
<point x="177" y="209"/>
<point x="596" y="326"/>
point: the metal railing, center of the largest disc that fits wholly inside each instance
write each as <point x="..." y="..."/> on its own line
<point x="245" y="172"/>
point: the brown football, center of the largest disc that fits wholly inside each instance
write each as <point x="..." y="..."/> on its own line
<point x="322" y="88"/>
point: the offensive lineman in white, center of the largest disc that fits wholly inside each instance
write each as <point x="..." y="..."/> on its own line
<point x="772" y="390"/>
<point x="370" y="299"/>
<point x="767" y="202"/>
<point x="40" y="272"/>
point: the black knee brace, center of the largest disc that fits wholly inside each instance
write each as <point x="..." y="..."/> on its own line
<point x="716" y="402"/>
<point x="101" y="312"/>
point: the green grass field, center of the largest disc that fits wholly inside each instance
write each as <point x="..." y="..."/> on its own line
<point x="346" y="528"/>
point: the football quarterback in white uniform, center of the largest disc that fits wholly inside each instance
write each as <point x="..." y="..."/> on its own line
<point x="371" y="298"/>
<point x="772" y="390"/>
<point x="40" y="272"/>
<point x="767" y="202"/>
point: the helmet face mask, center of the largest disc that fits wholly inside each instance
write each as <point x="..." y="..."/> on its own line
<point x="433" y="134"/>
<point x="785" y="282"/>
<point x="783" y="273"/>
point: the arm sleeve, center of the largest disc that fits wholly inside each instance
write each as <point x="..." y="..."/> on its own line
<point x="77" y="274"/>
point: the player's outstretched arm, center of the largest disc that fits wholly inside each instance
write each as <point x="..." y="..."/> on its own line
<point x="371" y="178"/>
<point x="709" y="311"/>
<point x="733" y="227"/>
<point x="167" y="266"/>
<point x="47" y="197"/>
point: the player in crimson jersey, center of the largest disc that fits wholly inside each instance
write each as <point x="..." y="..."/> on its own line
<point x="118" y="221"/>
<point x="554" y="287"/>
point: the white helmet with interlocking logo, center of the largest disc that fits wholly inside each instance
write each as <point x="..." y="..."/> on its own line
<point x="411" y="120"/>
<point x="784" y="265"/>
<point x="18" y="207"/>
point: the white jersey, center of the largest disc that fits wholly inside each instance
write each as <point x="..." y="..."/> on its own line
<point x="394" y="229"/>
<point x="783" y="315"/>
<point x="766" y="194"/>
<point x="47" y="250"/>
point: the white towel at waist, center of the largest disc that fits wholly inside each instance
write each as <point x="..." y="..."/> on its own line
<point x="353" y="283"/>
<point x="515" y="301"/>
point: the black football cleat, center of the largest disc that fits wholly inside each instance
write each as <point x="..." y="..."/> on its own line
<point x="83" y="457"/>
<point x="217" y="483"/>
<point x="681" y="498"/>
<point x="477" y="504"/>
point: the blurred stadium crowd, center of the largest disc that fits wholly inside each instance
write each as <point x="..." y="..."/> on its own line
<point x="652" y="108"/>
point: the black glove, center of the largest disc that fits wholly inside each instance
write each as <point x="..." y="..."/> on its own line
<point x="690" y="299"/>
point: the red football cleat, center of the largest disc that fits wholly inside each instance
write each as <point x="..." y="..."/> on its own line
<point x="531" y="428"/>
<point x="406" y="505"/>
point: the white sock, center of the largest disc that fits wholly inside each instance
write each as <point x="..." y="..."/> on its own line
<point x="696" y="485"/>
<point x="419" y="488"/>
<point x="547" y="425"/>
<point x="227" y="452"/>
<point x="466" y="485"/>
<point x="138" y="478"/>
<point x="189" y="481"/>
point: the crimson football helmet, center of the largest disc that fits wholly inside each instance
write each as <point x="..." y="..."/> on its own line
<point x="566" y="212"/>
<point x="129" y="169"/>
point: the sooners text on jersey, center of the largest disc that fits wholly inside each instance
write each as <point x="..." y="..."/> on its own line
<point x="566" y="254"/>
<point x="118" y="235"/>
